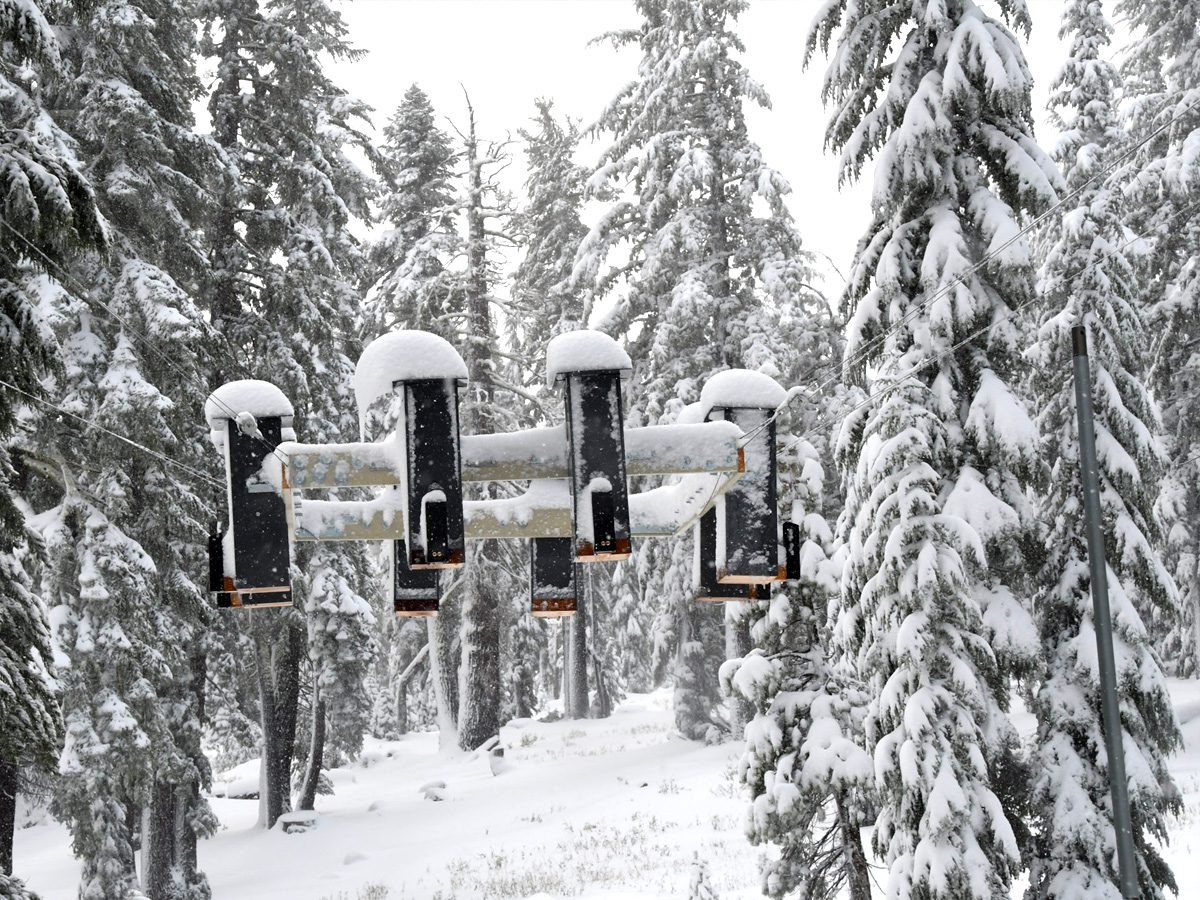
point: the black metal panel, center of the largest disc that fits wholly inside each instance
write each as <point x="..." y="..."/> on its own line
<point x="709" y="587"/>
<point x="552" y="576"/>
<point x="414" y="591"/>
<point x="596" y="450"/>
<point x="261" y="547"/>
<point x="216" y="560"/>
<point x="791" y="550"/>
<point x="434" y="464"/>
<point x="604" y="532"/>
<point x="751" y="506"/>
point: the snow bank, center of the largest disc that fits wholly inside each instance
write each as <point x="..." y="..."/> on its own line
<point x="259" y="398"/>
<point x="584" y="351"/>
<point x="741" y="388"/>
<point x="403" y="356"/>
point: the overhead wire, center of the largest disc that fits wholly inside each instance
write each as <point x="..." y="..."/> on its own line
<point x="174" y="462"/>
<point x="860" y="354"/>
<point x="149" y="345"/>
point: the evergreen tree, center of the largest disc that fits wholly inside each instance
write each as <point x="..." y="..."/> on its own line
<point x="1162" y="77"/>
<point x="48" y="213"/>
<point x="934" y="597"/>
<point x="710" y="257"/>
<point x="341" y="648"/>
<point x="134" y="351"/>
<point x="285" y="269"/>
<point x="101" y="586"/>
<point x="550" y="229"/>
<point x="1087" y="279"/>
<point x="413" y="284"/>
<point x="807" y="773"/>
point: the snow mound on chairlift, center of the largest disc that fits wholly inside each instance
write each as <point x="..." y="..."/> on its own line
<point x="692" y="414"/>
<point x="260" y="399"/>
<point x="406" y="355"/>
<point x="584" y="351"/>
<point x="741" y="389"/>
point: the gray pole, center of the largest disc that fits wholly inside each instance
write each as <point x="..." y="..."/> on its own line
<point x="1089" y="473"/>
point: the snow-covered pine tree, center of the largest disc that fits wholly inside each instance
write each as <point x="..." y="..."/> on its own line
<point x="100" y="587"/>
<point x="410" y="263"/>
<point x="550" y="229"/>
<point x="632" y="631"/>
<point x="132" y="71"/>
<point x="1162" y="89"/>
<point x="695" y="247"/>
<point x="934" y="600"/>
<point x="807" y="772"/>
<point x="1088" y="279"/>
<point x="285" y="269"/>
<point x="341" y="629"/>
<point x="49" y="213"/>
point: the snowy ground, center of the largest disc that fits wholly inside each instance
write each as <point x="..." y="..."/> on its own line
<point x="615" y="808"/>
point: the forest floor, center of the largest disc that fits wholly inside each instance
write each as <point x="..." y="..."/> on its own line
<point x="613" y="808"/>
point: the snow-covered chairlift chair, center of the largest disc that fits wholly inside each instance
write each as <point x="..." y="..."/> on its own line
<point x="590" y="366"/>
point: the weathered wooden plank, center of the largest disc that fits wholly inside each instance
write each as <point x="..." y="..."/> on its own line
<point x="517" y="456"/>
<point x="653" y="450"/>
<point x="363" y="464"/>
<point x="378" y="519"/>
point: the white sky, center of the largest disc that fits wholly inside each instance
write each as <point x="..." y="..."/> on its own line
<point x="509" y="52"/>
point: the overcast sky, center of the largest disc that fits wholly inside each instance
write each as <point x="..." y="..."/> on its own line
<point x="508" y="52"/>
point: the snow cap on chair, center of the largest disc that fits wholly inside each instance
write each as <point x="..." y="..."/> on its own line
<point x="584" y="351"/>
<point x="260" y="399"/>
<point x="740" y="389"/>
<point x="407" y="355"/>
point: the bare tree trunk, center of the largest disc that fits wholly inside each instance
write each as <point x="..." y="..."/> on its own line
<point x="188" y="795"/>
<point x="858" y="873"/>
<point x="444" y="662"/>
<point x="402" y="709"/>
<point x="9" y="778"/>
<point x="316" y="752"/>
<point x="480" y="691"/>
<point x="159" y="840"/>
<point x="279" y="695"/>
<point x="578" y="678"/>
<point x="402" y="681"/>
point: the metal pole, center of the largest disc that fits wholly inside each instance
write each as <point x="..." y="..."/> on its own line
<point x="1089" y="473"/>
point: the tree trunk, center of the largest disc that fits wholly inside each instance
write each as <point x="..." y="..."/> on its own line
<point x="578" y="679"/>
<point x="737" y="645"/>
<point x="402" y="681"/>
<point x="480" y="690"/>
<point x="227" y="116"/>
<point x="316" y="752"/>
<point x="402" y="708"/>
<point x="444" y="662"/>
<point x="858" y="873"/>
<point x="481" y="696"/>
<point x="279" y="694"/>
<point x="159" y="840"/>
<point x="9" y="778"/>
<point x="188" y="799"/>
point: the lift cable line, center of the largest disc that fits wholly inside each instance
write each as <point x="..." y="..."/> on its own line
<point x="69" y="279"/>
<point x="796" y="390"/>
<point x="132" y="443"/>
<point x="988" y="257"/>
